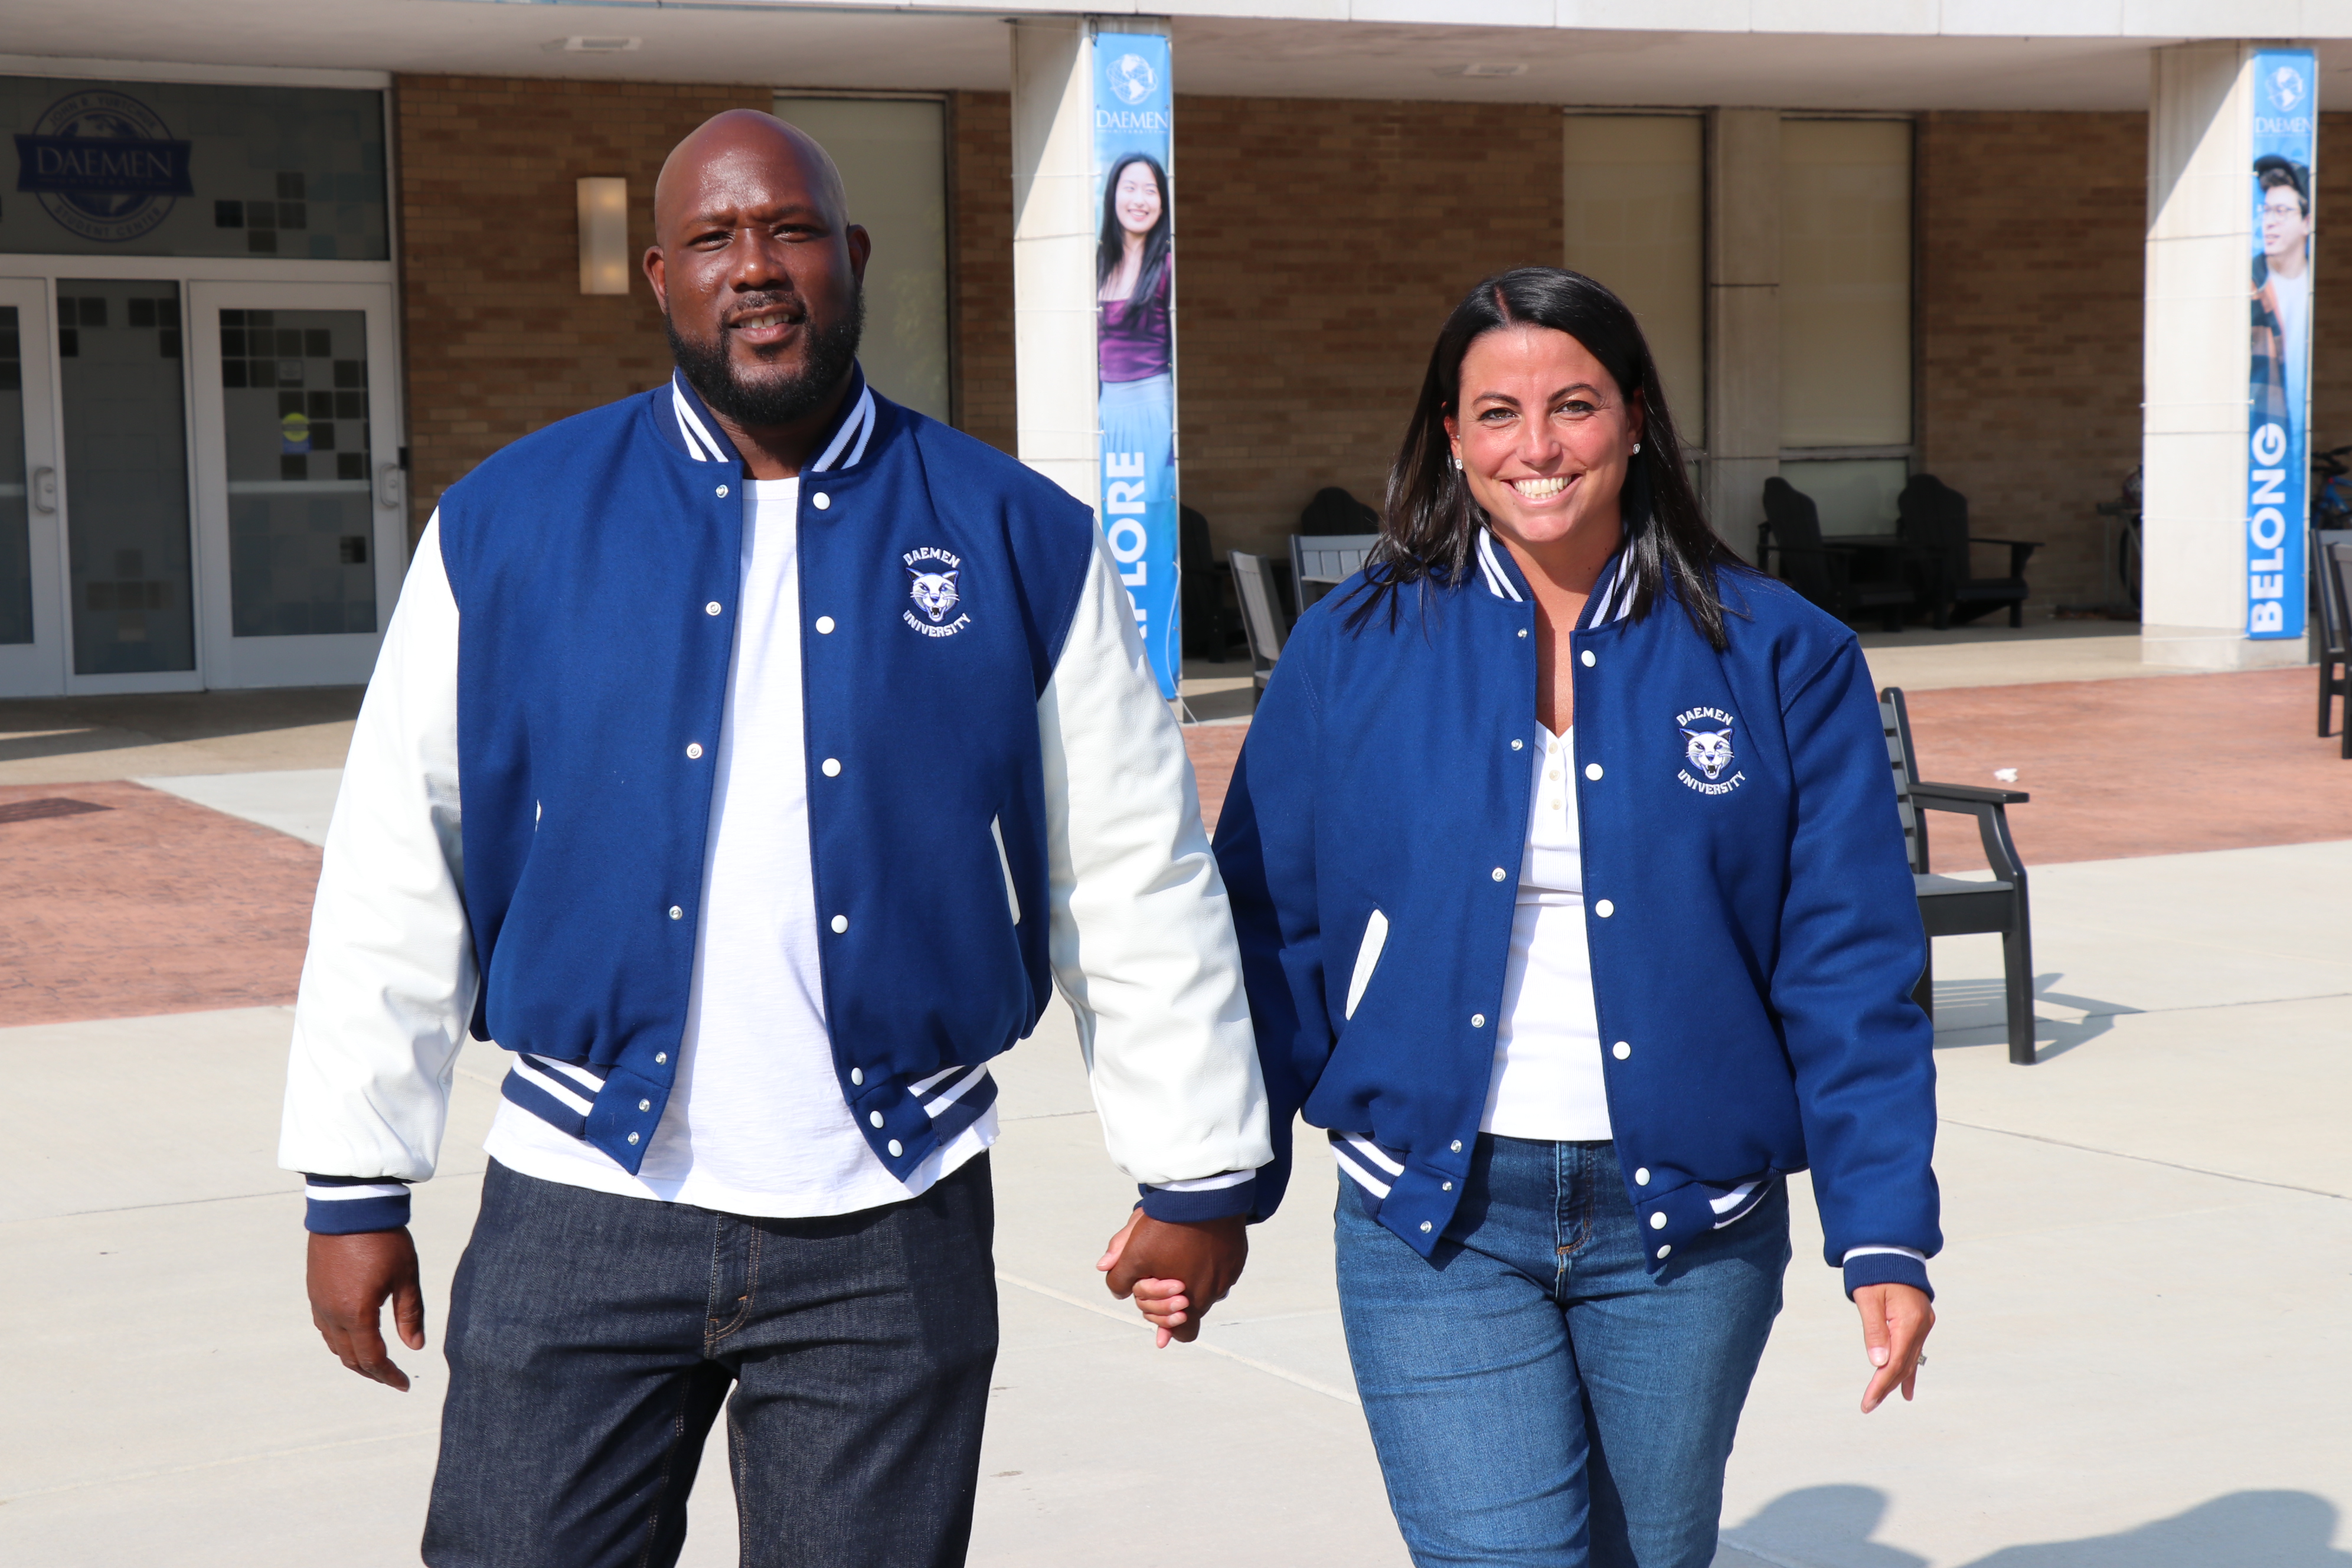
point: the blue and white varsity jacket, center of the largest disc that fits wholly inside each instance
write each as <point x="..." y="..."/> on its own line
<point x="1754" y="932"/>
<point x="999" y="801"/>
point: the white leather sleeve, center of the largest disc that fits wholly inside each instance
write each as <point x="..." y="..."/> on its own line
<point x="1143" y="939"/>
<point x="389" y="982"/>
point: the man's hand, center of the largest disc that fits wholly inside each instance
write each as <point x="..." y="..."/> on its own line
<point x="350" y="1276"/>
<point x="1895" y="1323"/>
<point x="1175" y="1272"/>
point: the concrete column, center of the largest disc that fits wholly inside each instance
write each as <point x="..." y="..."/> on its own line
<point x="1053" y="251"/>
<point x="2193" y="440"/>
<point x="1743" y="318"/>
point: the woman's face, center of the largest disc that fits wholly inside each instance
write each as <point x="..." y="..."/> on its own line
<point x="1543" y="435"/>
<point x="1136" y="199"/>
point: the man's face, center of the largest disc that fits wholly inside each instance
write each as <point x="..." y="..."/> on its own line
<point x="2284" y="226"/>
<point x="756" y="270"/>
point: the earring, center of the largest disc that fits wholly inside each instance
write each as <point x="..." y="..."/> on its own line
<point x="1457" y="465"/>
<point x="1637" y="448"/>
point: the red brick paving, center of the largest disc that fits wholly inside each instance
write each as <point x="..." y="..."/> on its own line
<point x="155" y="906"/>
<point x="161" y="906"/>
<point x="2155" y="765"/>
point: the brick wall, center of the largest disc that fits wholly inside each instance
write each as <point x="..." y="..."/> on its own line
<point x="980" y="174"/>
<point x="1321" y="244"/>
<point x="2031" y="232"/>
<point x="501" y="340"/>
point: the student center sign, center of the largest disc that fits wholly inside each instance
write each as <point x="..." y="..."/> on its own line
<point x="270" y="285"/>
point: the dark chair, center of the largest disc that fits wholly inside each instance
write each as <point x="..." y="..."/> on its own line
<point x="1791" y="529"/>
<point x="1261" y="616"/>
<point x="1213" y="629"/>
<point x="1332" y="557"/>
<point x="2336" y="557"/>
<point x="1952" y="906"/>
<point x="1933" y="519"/>
<point x="2335" y="617"/>
<point x="1334" y="510"/>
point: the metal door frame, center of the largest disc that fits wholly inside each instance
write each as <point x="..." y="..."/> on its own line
<point x="38" y="669"/>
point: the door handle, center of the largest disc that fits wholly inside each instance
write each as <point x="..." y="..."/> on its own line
<point x="45" y="490"/>
<point x="388" y="485"/>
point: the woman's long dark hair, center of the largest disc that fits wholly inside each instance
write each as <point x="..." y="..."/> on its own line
<point x="1430" y="523"/>
<point x="1113" y="243"/>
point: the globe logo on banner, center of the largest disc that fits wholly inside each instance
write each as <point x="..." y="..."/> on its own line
<point x="104" y="165"/>
<point x="2286" y="89"/>
<point x="1132" y="78"/>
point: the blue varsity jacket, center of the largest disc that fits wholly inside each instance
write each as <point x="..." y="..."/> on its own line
<point x="1754" y="933"/>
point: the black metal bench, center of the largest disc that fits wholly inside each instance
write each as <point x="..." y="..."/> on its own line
<point x="1955" y="906"/>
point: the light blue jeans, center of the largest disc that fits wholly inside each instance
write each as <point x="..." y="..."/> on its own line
<point x="1536" y="1396"/>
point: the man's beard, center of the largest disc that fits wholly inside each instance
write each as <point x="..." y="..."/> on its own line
<point x="768" y="396"/>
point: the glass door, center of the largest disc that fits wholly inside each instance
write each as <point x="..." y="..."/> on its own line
<point x="300" y="526"/>
<point x="32" y="608"/>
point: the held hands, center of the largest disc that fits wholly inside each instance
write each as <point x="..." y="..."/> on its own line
<point x="1895" y="1323"/>
<point x="1175" y="1272"/>
<point x="350" y="1278"/>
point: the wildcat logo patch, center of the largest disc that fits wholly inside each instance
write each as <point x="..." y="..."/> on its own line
<point x="1707" y="747"/>
<point x="932" y="585"/>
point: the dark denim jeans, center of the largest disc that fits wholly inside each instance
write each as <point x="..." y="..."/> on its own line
<point x="593" y="1339"/>
<point x="1538" y="1398"/>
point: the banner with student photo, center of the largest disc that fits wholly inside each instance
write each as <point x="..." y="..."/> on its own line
<point x="2286" y="140"/>
<point x="1135" y="337"/>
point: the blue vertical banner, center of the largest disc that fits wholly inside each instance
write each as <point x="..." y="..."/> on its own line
<point x="1135" y="331"/>
<point x="2278" y="490"/>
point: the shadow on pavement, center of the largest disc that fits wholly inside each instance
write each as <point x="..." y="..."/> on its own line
<point x="1971" y="1007"/>
<point x="1831" y="1527"/>
<point x="64" y="726"/>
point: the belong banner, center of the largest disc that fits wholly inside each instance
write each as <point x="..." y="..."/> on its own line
<point x="2286" y="140"/>
<point x="1135" y="335"/>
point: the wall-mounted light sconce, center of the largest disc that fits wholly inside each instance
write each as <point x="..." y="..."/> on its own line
<point x="603" y="235"/>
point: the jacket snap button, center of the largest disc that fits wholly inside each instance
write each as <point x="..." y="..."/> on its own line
<point x="819" y="501"/>
<point x="675" y="913"/>
<point x="1518" y="745"/>
<point x="858" y="1075"/>
<point x="722" y="492"/>
<point x="632" y="1137"/>
<point x="1498" y="873"/>
<point x="876" y="1118"/>
<point x="1457" y="1145"/>
<point x="711" y="608"/>
<point x="1447" y="1187"/>
<point x="1523" y="631"/>
<point x="840" y="924"/>
<point x="1663" y="1250"/>
<point x="824" y="625"/>
<point x="1605" y="908"/>
<point x="1621" y="1050"/>
<point x="831" y="767"/>
<point x="1589" y="660"/>
<point x="1425" y="1225"/>
<point x="693" y="749"/>
<point x="897" y="1148"/>
<point x="1478" y="1020"/>
<point x="1642" y="1176"/>
<point x="1592" y="769"/>
<point x="644" y="1105"/>
<point x="1658" y="1221"/>
<point x="661" y="1059"/>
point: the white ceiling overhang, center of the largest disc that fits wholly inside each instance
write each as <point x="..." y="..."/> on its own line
<point x="1798" y="54"/>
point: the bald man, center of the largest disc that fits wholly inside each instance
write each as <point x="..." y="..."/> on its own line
<point x="750" y="759"/>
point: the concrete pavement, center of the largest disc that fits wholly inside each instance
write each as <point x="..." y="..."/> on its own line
<point x="2140" y="1361"/>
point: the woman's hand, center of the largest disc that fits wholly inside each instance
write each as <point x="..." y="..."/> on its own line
<point x="1895" y="1323"/>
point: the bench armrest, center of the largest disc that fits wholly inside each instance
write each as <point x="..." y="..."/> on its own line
<point x="1965" y="797"/>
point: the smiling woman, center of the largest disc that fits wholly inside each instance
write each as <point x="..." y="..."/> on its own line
<point x="1567" y="872"/>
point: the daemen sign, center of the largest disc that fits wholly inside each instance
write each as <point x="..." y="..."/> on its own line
<point x="1135" y="332"/>
<point x="2285" y="137"/>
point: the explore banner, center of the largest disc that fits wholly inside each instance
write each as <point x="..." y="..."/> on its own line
<point x="2284" y="141"/>
<point x="1135" y="332"/>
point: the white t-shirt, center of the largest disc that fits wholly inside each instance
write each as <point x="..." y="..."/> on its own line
<point x="755" y="1123"/>
<point x="2293" y="297"/>
<point x="1546" y="1082"/>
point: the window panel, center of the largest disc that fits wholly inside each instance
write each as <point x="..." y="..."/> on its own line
<point x="1635" y="220"/>
<point x="1845" y="283"/>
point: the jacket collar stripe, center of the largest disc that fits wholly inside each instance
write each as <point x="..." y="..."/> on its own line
<point x="1611" y="600"/>
<point x="691" y="426"/>
<point x="1498" y="582"/>
<point x="851" y="436"/>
